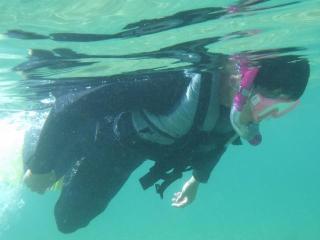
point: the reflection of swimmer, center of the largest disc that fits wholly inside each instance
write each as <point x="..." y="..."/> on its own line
<point x="136" y="29"/>
<point x="157" y="25"/>
<point x="180" y="119"/>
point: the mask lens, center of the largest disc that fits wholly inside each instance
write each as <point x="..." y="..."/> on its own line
<point x="263" y="108"/>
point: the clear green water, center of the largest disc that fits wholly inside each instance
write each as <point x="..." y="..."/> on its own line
<point x="268" y="192"/>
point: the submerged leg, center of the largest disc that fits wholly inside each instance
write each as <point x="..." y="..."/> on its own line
<point x="91" y="185"/>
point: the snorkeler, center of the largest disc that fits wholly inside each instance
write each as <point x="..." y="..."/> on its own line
<point x="181" y="119"/>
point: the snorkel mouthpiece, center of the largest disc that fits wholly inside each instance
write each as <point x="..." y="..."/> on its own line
<point x="254" y="137"/>
<point x="251" y="131"/>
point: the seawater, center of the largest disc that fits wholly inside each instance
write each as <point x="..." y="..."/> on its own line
<point x="267" y="192"/>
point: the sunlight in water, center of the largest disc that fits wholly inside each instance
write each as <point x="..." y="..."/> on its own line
<point x="11" y="140"/>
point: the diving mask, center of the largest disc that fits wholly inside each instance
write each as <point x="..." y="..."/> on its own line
<point x="263" y="107"/>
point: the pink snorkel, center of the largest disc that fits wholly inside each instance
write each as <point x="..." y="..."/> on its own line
<point x="249" y="132"/>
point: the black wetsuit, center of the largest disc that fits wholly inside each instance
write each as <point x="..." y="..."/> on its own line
<point x="89" y="138"/>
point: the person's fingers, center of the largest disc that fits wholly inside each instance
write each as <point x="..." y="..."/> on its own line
<point x="36" y="187"/>
<point x="27" y="175"/>
<point x="180" y="204"/>
<point x="34" y="183"/>
<point x="177" y="194"/>
<point x="41" y="190"/>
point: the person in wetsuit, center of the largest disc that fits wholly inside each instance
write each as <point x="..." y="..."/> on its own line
<point x="181" y="119"/>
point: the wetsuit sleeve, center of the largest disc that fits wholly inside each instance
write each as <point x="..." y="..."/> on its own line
<point x="70" y="114"/>
<point x="206" y="156"/>
<point x="203" y="162"/>
<point x="155" y="92"/>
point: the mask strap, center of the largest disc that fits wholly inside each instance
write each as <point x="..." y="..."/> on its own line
<point x="249" y="132"/>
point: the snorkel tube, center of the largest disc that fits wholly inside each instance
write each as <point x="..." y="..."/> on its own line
<point x="250" y="131"/>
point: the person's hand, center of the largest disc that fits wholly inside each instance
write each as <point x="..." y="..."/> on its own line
<point x="39" y="182"/>
<point x="187" y="194"/>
